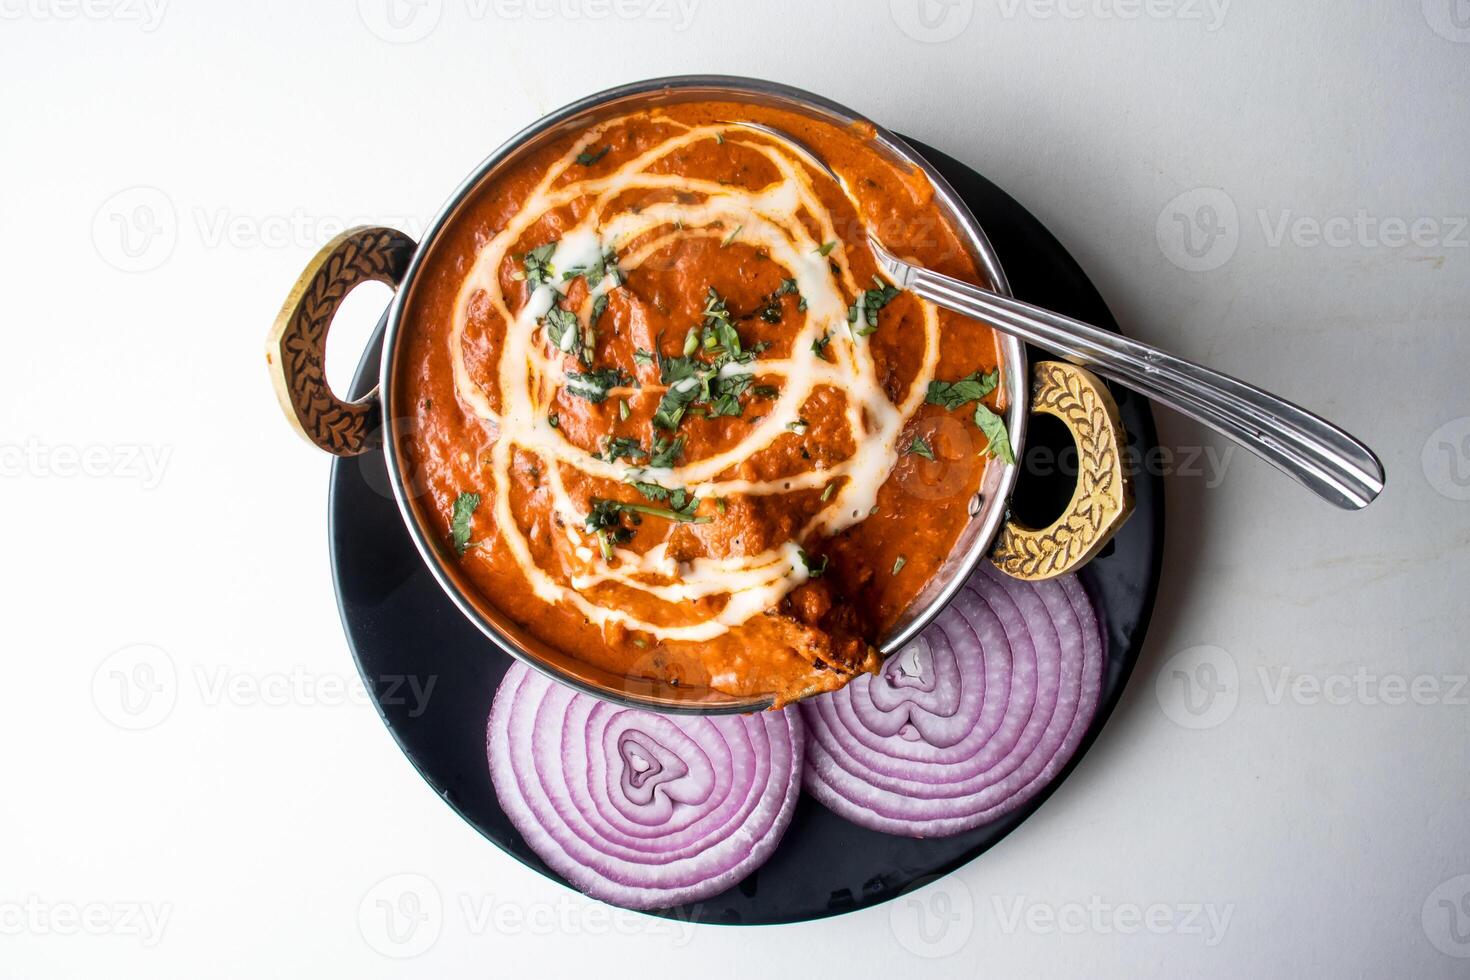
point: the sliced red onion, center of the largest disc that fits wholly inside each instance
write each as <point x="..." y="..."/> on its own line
<point x="639" y="809"/>
<point x="970" y="720"/>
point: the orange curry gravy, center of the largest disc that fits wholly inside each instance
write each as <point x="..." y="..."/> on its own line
<point x="696" y="425"/>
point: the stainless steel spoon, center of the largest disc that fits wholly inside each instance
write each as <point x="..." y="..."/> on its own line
<point x="1304" y="446"/>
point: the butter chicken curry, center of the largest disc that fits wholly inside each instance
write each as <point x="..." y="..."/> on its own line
<point x="667" y="417"/>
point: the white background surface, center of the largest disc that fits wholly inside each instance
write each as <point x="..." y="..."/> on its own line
<point x="260" y="813"/>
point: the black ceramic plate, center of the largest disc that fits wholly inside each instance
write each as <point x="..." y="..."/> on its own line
<point x="399" y="624"/>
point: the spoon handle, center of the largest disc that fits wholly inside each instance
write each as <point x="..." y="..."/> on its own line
<point x="1306" y="447"/>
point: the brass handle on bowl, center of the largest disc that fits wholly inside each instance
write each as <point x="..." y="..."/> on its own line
<point x="1103" y="496"/>
<point x="296" y="349"/>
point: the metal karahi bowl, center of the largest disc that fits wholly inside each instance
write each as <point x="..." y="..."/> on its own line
<point x="297" y="344"/>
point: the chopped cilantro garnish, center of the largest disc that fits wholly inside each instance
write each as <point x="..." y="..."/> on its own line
<point x="588" y="159"/>
<point x="459" y="523"/>
<point x="671" y="407"/>
<point x="641" y="356"/>
<point x="699" y="387"/>
<point x="594" y="385"/>
<point x="814" y="568"/>
<point x="898" y="564"/>
<point x="972" y="388"/>
<point x="604" y="512"/>
<point x="656" y="492"/>
<point x="725" y="392"/>
<point x="953" y="394"/>
<point x="731" y="237"/>
<point x="665" y="453"/>
<point x="598" y="269"/>
<point x="537" y="264"/>
<point x="680" y="501"/>
<point x="673" y="370"/>
<point x="619" y="447"/>
<point x="719" y="332"/>
<point x="562" y="329"/>
<point x="864" y="313"/>
<point x="606" y="522"/>
<point x="994" y="428"/>
<point x="919" y="448"/>
<point x="770" y="309"/>
<point x="826" y="248"/>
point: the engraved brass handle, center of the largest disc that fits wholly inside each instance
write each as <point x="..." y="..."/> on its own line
<point x="1103" y="496"/>
<point x="296" y="349"/>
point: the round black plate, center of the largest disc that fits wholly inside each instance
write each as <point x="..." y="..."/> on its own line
<point x="400" y="625"/>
